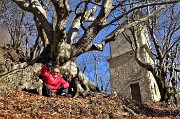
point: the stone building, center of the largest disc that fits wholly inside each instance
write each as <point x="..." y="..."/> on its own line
<point x="128" y="79"/>
<point x="5" y="36"/>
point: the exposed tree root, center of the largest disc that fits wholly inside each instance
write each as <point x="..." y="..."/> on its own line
<point x="129" y="110"/>
<point x="80" y="85"/>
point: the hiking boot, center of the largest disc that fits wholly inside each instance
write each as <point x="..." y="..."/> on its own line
<point x="63" y="94"/>
<point x="69" y="95"/>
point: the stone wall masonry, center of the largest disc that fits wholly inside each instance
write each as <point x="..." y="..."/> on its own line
<point x="125" y="71"/>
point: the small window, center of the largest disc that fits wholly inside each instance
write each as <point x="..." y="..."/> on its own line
<point x="155" y="89"/>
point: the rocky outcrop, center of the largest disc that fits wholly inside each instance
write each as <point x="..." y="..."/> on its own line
<point x="19" y="75"/>
<point x="24" y="78"/>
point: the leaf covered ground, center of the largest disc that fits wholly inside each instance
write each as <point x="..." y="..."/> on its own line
<point x="23" y="105"/>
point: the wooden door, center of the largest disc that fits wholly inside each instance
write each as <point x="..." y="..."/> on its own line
<point x="135" y="92"/>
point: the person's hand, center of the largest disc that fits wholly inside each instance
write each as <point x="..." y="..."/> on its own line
<point x="49" y="66"/>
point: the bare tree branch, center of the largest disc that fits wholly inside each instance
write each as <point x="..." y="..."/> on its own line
<point x="72" y="33"/>
<point x="138" y="7"/>
<point x="94" y="28"/>
<point x="39" y="12"/>
<point x="114" y="34"/>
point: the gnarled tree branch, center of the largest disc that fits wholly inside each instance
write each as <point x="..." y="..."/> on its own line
<point x="76" y="24"/>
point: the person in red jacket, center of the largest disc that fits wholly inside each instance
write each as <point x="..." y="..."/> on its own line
<point x="53" y="82"/>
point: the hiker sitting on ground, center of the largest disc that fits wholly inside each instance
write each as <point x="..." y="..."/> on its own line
<point x="53" y="82"/>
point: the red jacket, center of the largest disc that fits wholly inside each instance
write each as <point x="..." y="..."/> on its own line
<point x="51" y="82"/>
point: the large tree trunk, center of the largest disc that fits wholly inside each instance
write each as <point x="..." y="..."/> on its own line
<point x="162" y="88"/>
